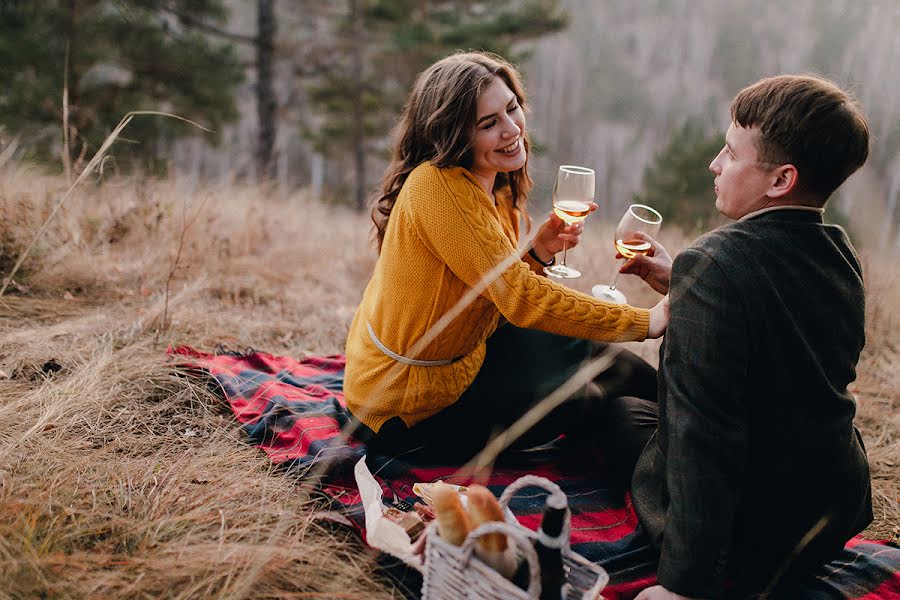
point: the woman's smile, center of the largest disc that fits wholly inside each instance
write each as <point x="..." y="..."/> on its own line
<point x="511" y="149"/>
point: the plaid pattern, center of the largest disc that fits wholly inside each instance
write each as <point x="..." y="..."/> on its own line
<point x="294" y="412"/>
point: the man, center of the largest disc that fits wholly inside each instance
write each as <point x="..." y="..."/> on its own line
<point x="755" y="474"/>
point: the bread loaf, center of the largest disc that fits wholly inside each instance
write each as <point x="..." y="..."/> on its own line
<point x="493" y="548"/>
<point x="452" y="519"/>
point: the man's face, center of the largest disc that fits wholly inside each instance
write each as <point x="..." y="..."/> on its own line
<point x="741" y="182"/>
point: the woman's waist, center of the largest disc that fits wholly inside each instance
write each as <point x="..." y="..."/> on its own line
<point x="377" y="387"/>
<point x="441" y="343"/>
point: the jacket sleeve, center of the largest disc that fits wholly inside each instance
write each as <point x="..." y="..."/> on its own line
<point x="706" y="367"/>
<point x="460" y="226"/>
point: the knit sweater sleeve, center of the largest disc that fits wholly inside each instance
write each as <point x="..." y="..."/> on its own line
<point x="458" y="223"/>
<point x="533" y="264"/>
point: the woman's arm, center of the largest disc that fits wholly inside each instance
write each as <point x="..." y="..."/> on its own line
<point x="458" y="224"/>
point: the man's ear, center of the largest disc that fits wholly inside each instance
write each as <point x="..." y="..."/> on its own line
<point x="784" y="179"/>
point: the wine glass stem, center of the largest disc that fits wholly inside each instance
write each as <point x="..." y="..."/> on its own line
<point x="615" y="280"/>
<point x="565" y="248"/>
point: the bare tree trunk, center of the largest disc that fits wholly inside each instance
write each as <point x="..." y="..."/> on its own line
<point x="70" y="91"/>
<point x="317" y="175"/>
<point x="265" y="94"/>
<point x="358" y="123"/>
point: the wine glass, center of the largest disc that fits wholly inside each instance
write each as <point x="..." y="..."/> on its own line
<point x="572" y="197"/>
<point x="639" y="218"/>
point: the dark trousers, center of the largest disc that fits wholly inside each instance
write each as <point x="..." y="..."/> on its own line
<point x="615" y="414"/>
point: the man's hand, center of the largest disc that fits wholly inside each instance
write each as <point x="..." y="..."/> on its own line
<point x="658" y="592"/>
<point x="655" y="268"/>
<point x="554" y="232"/>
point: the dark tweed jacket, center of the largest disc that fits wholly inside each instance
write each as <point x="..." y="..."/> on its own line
<point x="755" y="447"/>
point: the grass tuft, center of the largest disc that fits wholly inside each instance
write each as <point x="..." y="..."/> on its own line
<point x="119" y="479"/>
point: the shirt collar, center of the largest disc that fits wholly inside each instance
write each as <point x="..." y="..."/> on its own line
<point x="769" y="209"/>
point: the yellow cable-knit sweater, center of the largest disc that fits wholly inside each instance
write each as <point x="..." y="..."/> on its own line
<point x="444" y="235"/>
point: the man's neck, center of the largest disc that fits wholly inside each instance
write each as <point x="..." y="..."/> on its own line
<point x="792" y="200"/>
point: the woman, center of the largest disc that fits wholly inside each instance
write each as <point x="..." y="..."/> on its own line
<point x="428" y="363"/>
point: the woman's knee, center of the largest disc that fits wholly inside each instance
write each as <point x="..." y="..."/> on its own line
<point x="628" y="375"/>
<point x="629" y="422"/>
<point x="634" y="411"/>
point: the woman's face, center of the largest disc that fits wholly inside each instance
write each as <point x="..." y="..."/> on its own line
<point x="498" y="146"/>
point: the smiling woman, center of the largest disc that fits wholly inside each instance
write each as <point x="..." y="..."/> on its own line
<point x="497" y="146"/>
<point x="459" y="333"/>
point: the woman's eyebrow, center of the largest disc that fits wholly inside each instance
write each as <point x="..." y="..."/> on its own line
<point x="512" y="99"/>
<point x="485" y="118"/>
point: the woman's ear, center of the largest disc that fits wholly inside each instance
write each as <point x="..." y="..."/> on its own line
<point x="784" y="179"/>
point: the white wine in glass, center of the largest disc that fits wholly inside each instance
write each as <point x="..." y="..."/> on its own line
<point x="639" y="218"/>
<point x="572" y="197"/>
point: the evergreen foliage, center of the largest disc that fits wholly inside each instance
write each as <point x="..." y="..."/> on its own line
<point x="395" y="40"/>
<point x="678" y="182"/>
<point x="123" y="56"/>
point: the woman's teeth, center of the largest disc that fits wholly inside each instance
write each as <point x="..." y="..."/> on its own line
<point x="512" y="148"/>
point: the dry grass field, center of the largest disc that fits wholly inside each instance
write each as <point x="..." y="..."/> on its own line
<point x="119" y="479"/>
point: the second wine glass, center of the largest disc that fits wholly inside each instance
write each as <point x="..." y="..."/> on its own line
<point x="639" y="218"/>
<point x="572" y="197"/>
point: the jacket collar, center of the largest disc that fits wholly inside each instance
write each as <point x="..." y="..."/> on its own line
<point x="791" y="212"/>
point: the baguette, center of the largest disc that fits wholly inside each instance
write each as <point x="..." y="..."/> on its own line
<point x="453" y="521"/>
<point x="493" y="548"/>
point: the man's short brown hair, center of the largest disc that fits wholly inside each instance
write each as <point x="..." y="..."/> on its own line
<point x="809" y="122"/>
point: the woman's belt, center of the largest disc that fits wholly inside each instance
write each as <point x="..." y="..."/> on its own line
<point x="415" y="362"/>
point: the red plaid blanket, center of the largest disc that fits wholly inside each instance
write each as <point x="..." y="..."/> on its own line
<point x="294" y="411"/>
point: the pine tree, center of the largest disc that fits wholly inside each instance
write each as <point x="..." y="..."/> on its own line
<point x="380" y="47"/>
<point x="114" y="57"/>
<point x="678" y="182"/>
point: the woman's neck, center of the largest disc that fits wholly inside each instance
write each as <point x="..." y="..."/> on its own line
<point x="487" y="181"/>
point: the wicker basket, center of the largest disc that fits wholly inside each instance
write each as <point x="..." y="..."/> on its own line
<point x="454" y="573"/>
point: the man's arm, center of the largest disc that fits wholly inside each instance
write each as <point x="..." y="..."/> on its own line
<point x="706" y="369"/>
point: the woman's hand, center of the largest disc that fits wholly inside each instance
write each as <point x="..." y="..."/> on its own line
<point x="658" y="592"/>
<point x="418" y="547"/>
<point x="659" y="319"/>
<point x="655" y="268"/>
<point x="554" y="232"/>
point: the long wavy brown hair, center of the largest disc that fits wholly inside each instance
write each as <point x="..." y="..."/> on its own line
<point x="438" y="125"/>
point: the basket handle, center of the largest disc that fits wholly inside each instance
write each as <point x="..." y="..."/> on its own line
<point x="545" y="484"/>
<point x="521" y="540"/>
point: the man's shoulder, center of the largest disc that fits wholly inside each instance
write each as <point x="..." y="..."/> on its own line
<point x="748" y="238"/>
<point x="728" y="234"/>
<point x="720" y="244"/>
<point x="724" y="255"/>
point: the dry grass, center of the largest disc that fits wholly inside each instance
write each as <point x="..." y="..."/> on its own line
<point x="120" y="480"/>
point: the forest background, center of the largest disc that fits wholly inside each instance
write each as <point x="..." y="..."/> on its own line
<point x="119" y="479"/>
<point x="306" y="92"/>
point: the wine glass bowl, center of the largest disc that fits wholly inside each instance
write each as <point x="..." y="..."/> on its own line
<point x="572" y="197"/>
<point x="638" y="219"/>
